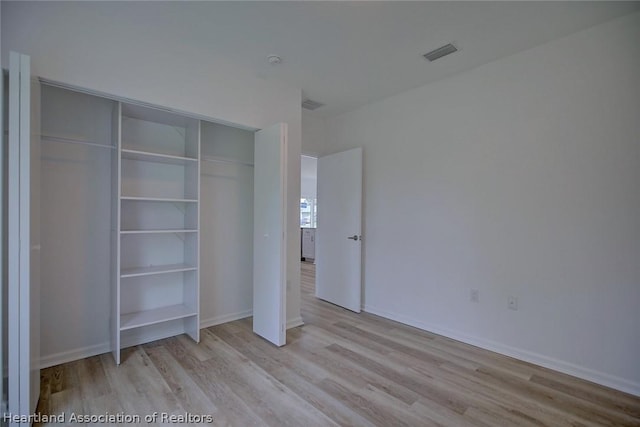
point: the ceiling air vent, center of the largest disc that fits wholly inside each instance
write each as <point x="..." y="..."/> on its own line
<point x="311" y="105"/>
<point x="440" y="52"/>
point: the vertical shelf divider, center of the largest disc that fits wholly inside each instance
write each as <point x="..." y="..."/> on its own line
<point x="116" y="136"/>
<point x="193" y="132"/>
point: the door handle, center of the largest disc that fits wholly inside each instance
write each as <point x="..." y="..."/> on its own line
<point x="354" y="237"/>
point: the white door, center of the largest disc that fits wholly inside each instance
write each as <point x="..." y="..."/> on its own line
<point x="269" y="227"/>
<point x="339" y="232"/>
<point x="23" y="240"/>
<point x="309" y="243"/>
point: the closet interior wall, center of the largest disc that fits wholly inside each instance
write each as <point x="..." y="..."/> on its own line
<point x="75" y="222"/>
<point x="79" y="143"/>
<point x="226" y="223"/>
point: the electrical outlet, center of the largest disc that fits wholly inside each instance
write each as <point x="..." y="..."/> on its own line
<point x="474" y="295"/>
<point x="512" y="303"/>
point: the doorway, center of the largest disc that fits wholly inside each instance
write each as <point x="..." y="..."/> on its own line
<point x="337" y="238"/>
<point x="308" y="223"/>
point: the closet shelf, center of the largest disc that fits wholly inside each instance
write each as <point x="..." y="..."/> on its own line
<point x="148" y="156"/>
<point x="178" y="230"/>
<point x="215" y="159"/>
<point x="158" y="199"/>
<point x="154" y="316"/>
<point x="53" y="138"/>
<point x="156" y="269"/>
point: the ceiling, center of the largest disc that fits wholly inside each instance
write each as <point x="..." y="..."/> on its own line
<point x="348" y="54"/>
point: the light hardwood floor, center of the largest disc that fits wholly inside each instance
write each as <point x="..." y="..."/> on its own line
<point x="338" y="369"/>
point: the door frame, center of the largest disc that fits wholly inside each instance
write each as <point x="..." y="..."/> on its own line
<point x="23" y="245"/>
<point x="333" y="288"/>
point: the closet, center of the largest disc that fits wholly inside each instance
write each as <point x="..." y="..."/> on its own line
<point x="226" y="222"/>
<point x="148" y="223"/>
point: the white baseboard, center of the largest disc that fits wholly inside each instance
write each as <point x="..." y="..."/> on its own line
<point x="219" y="320"/>
<point x="295" y="322"/>
<point x="602" y="378"/>
<point x="291" y="323"/>
<point x="75" y="354"/>
<point x="94" y="350"/>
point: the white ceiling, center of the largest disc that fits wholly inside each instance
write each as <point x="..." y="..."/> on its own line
<point x="348" y="54"/>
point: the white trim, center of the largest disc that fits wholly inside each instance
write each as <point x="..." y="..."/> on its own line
<point x="96" y="349"/>
<point x="601" y="378"/>
<point x="75" y="354"/>
<point x="225" y="318"/>
<point x="3" y="361"/>
<point x="295" y="322"/>
<point x="105" y="347"/>
<point x="284" y="148"/>
<point x="13" y="235"/>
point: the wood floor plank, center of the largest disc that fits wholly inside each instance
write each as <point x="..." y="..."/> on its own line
<point x="357" y="402"/>
<point x="391" y="344"/>
<point x="474" y="415"/>
<point x="397" y="410"/>
<point x="427" y="391"/>
<point x="340" y="368"/>
<point x="190" y="396"/>
<point x="444" y="416"/>
<point x="582" y="409"/>
<point x="529" y="406"/>
<point x="391" y="387"/>
<point x="141" y="390"/>
<point x="497" y="399"/>
<point x="614" y="401"/>
<point x="298" y="376"/>
<point x="214" y="386"/>
<point x="92" y="379"/>
<point x="259" y="389"/>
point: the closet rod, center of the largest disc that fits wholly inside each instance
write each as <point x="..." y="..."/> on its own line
<point x="219" y="160"/>
<point x="50" y="138"/>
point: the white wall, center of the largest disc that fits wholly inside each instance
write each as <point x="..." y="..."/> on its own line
<point x="313" y="141"/>
<point x="86" y="45"/>
<point x="308" y="176"/>
<point x="520" y="177"/>
<point x="313" y="134"/>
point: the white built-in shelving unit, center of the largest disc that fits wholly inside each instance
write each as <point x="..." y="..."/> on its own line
<point x="147" y="191"/>
<point x="156" y="222"/>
